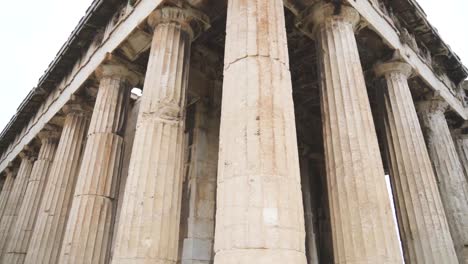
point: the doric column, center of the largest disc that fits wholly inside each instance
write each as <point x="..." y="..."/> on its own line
<point x="16" y="198"/>
<point x="423" y="225"/>
<point x="148" y="228"/>
<point x="88" y="234"/>
<point x="2" y="182"/>
<point x="309" y="218"/>
<point x="7" y="186"/>
<point x="363" y="230"/>
<point x="21" y="234"/>
<point x="53" y="212"/>
<point x="450" y="176"/>
<point x="461" y="144"/>
<point x="259" y="211"/>
<point x="198" y="244"/>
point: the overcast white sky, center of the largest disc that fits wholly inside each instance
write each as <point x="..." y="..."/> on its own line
<point x="33" y="31"/>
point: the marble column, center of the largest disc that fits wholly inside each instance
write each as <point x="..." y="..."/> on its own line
<point x="198" y="243"/>
<point x="461" y="144"/>
<point x="10" y="175"/>
<point x="2" y="182"/>
<point x="148" y="228"/>
<point x="363" y="230"/>
<point x="15" y="200"/>
<point x="450" y="175"/>
<point x="88" y="234"/>
<point x="309" y="217"/>
<point x="21" y="234"/>
<point x="423" y="225"/>
<point x="259" y="210"/>
<point x="46" y="239"/>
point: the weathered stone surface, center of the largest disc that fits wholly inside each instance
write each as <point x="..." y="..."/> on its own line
<point x="362" y="226"/>
<point x="15" y="200"/>
<point x="423" y="225"/>
<point x="130" y="129"/>
<point x="92" y="214"/>
<point x="450" y="176"/>
<point x="198" y="243"/>
<point x="21" y="234"/>
<point x="461" y="143"/>
<point x="309" y="217"/>
<point x="6" y="190"/>
<point x="259" y="214"/>
<point x="148" y="230"/>
<point x="47" y="236"/>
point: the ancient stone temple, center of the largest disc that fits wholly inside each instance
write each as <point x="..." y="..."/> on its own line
<point x="241" y="132"/>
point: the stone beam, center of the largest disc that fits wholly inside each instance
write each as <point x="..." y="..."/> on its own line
<point x="378" y="22"/>
<point x="118" y="35"/>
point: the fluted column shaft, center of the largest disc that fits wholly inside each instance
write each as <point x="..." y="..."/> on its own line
<point x="15" y="200"/>
<point x="46" y="239"/>
<point x="461" y="144"/>
<point x="148" y="230"/>
<point x="450" y="175"/>
<point x="201" y="189"/>
<point x="259" y="211"/>
<point x="6" y="190"/>
<point x="88" y="234"/>
<point x="21" y="234"/>
<point x="363" y="230"/>
<point x="423" y="226"/>
<point x="307" y="196"/>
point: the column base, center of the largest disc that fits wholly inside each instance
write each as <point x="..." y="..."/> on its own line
<point x="260" y="256"/>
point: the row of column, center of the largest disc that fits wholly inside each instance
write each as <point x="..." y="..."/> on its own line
<point x="70" y="192"/>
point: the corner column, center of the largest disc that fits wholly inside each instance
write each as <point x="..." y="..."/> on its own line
<point x="450" y="175"/>
<point x="47" y="236"/>
<point x="421" y="217"/>
<point x="15" y="199"/>
<point x="149" y="221"/>
<point x="6" y="190"/>
<point x="21" y="234"/>
<point x="88" y="234"/>
<point x="259" y="210"/>
<point x="363" y="230"/>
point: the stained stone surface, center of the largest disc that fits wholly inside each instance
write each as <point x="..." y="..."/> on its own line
<point x="461" y="143"/>
<point x="259" y="214"/>
<point x="451" y="179"/>
<point x="21" y="234"/>
<point x="148" y="230"/>
<point x="6" y="189"/>
<point x="201" y="184"/>
<point x="309" y="217"/>
<point x="15" y="200"/>
<point x="94" y="202"/>
<point x="47" y="236"/>
<point x="361" y="218"/>
<point x="423" y="225"/>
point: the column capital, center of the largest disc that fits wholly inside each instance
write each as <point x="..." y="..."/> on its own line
<point x="49" y="135"/>
<point x="382" y="69"/>
<point x="11" y="169"/>
<point x="27" y="154"/>
<point x="114" y="66"/>
<point x="432" y="105"/>
<point x="318" y="13"/>
<point x="191" y="20"/>
<point x="77" y="108"/>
